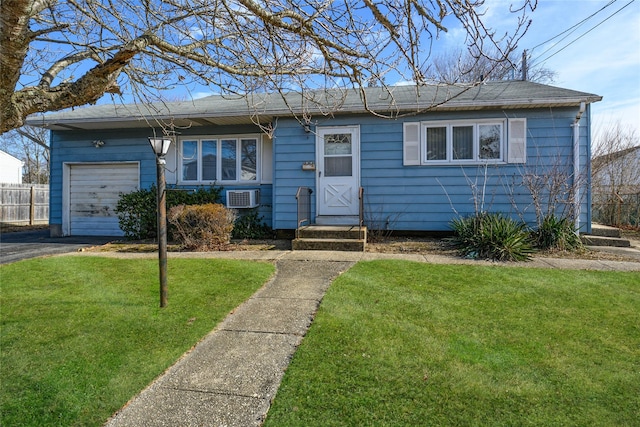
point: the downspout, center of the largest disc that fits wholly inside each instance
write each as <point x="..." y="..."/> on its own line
<point x="576" y="165"/>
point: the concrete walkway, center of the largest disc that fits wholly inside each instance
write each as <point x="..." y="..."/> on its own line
<point x="230" y="378"/>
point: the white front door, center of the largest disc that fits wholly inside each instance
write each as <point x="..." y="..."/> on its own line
<point x="338" y="160"/>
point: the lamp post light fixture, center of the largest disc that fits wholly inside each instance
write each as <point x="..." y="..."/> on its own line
<point x="160" y="148"/>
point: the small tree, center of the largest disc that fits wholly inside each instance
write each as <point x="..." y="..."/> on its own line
<point x="553" y="188"/>
<point x="472" y="66"/>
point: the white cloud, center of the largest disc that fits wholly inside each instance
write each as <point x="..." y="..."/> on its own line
<point x="202" y="94"/>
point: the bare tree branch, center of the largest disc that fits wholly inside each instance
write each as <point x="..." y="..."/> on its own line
<point x="32" y="138"/>
<point x="59" y="54"/>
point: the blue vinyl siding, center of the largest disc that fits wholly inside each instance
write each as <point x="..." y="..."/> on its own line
<point x="291" y="148"/>
<point x="127" y="145"/>
<point x="405" y="197"/>
<point x="429" y="197"/>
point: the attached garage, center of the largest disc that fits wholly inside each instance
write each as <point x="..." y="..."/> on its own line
<point x="92" y="192"/>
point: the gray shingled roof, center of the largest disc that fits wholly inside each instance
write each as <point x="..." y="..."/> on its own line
<point x="221" y="110"/>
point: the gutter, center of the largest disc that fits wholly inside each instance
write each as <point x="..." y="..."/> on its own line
<point x="576" y="165"/>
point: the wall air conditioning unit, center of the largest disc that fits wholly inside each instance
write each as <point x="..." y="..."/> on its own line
<point x="239" y="199"/>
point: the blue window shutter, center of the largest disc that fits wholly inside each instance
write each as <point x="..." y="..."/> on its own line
<point x="411" y="144"/>
<point x="517" y="141"/>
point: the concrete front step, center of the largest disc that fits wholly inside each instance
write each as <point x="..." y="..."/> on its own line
<point x="332" y="232"/>
<point x="591" y="240"/>
<point x="312" y="244"/>
<point x="331" y="238"/>
<point x="605" y="231"/>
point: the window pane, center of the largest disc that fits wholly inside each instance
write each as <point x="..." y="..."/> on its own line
<point x="437" y="143"/>
<point x="337" y="144"/>
<point x="229" y="157"/>
<point x="189" y="160"/>
<point x="249" y="160"/>
<point x="209" y="160"/>
<point x="338" y="166"/>
<point x="490" y="137"/>
<point x="463" y="142"/>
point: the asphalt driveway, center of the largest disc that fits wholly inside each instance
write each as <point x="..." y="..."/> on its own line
<point x="21" y="245"/>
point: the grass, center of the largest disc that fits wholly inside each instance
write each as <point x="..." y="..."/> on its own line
<point x="82" y="335"/>
<point x="405" y="344"/>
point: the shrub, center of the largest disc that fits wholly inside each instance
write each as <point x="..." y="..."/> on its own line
<point x="202" y="227"/>
<point x="137" y="211"/>
<point x="137" y="214"/>
<point x="556" y="233"/>
<point x="251" y="226"/>
<point x="491" y="236"/>
<point x="201" y="196"/>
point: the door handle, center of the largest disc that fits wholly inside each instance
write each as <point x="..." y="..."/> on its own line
<point x="319" y="174"/>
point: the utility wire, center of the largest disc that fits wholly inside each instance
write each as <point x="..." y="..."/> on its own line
<point x="537" y="62"/>
<point x="572" y="27"/>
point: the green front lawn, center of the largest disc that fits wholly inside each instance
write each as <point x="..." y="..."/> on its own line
<point x="81" y="335"/>
<point x="401" y="343"/>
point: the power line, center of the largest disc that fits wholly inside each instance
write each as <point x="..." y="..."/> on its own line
<point x="573" y="26"/>
<point x="537" y="62"/>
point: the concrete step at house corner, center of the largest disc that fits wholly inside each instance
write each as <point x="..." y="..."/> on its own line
<point x="592" y="240"/>
<point x="330" y="238"/>
<point x="604" y="235"/>
<point x="605" y="231"/>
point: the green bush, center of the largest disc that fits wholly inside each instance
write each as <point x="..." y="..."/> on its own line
<point x="202" y="227"/>
<point x="251" y="226"/>
<point x="201" y="196"/>
<point x="556" y="233"/>
<point x="491" y="236"/>
<point x="137" y="214"/>
<point x="137" y="211"/>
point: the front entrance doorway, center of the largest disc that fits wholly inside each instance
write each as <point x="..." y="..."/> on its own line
<point x="338" y="174"/>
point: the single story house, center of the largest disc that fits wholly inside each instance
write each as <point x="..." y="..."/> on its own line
<point x="617" y="172"/>
<point x="10" y="169"/>
<point x="615" y="186"/>
<point x="442" y="151"/>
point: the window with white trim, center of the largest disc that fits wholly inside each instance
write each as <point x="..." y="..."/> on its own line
<point x="460" y="142"/>
<point x="463" y="141"/>
<point x="224" y="159"/>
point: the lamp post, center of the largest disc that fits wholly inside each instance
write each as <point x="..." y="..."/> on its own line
<point x="160" y="148"/>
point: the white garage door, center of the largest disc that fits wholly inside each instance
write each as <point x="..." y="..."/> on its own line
<point x="94" y="191"/>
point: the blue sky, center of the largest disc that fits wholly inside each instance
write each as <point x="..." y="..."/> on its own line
<point x="602" y="56"/>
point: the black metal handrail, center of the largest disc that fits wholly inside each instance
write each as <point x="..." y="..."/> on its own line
<point x="303" y="196"/>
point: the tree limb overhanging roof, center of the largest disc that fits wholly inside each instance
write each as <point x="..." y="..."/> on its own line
<point x="392" y="101"/>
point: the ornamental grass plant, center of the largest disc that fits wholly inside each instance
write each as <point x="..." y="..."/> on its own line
<point x="557" y="234"/>
<point x="492" y="236"/>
